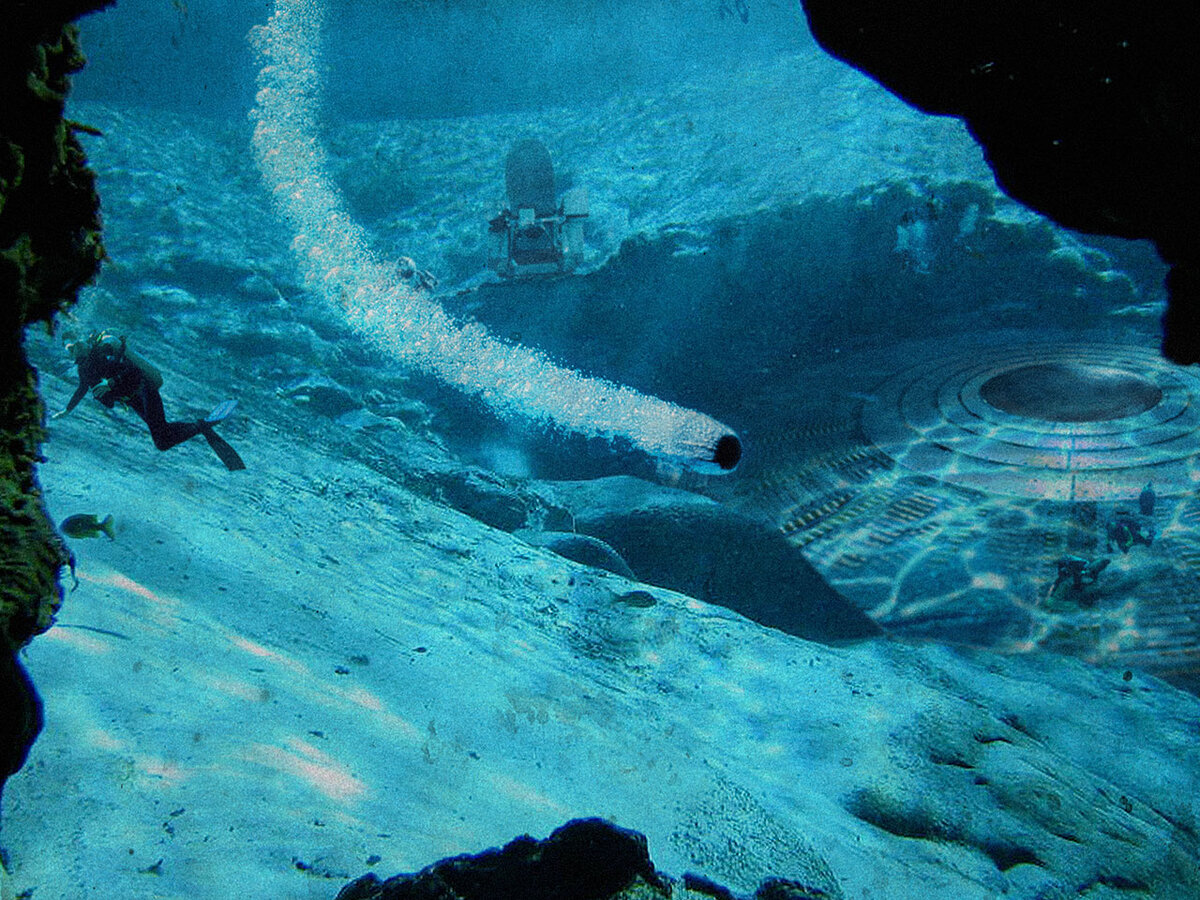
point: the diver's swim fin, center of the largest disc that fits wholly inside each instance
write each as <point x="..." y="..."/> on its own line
<point x="221" y="412"/>
<point x="221" y="447"/>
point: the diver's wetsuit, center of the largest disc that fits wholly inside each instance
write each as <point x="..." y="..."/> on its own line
<point x="135" y="383"/>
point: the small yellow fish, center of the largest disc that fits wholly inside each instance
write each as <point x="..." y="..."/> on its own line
<point x="85" y="525"/>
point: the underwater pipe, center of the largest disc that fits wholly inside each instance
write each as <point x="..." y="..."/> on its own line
<point x="514" y="381"/>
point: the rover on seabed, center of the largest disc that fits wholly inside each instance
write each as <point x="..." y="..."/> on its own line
<point x="535" y="235"/>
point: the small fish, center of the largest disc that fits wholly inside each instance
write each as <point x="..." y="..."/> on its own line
<point x="1147" y="499"/>
<point x="85" y="525"/>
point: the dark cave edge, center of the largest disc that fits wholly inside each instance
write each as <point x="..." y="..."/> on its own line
<point x="585" y="859"/>
<point x="49" y="248"/>
<point x="1087" y="113"/>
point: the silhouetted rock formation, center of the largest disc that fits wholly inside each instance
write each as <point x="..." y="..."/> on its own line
<point x="22" y="716"/>
<point x="585" y="859"/>
<point x="49" y="248"/>
<point x="1087" y="113"/>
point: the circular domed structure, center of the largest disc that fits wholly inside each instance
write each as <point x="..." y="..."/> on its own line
<point x="1058" y="422"/>
<point x="1070" y="392"/>
<point x="945" y="502"/>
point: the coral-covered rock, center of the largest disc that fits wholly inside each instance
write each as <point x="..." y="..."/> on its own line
<point x="49" y="248"/>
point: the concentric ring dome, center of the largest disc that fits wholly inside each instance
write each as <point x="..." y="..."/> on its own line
<point x="1055" y="422"/>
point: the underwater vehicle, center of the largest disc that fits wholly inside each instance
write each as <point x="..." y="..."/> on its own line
<point x="535" y="234"/>
<point x="513" y="381"/>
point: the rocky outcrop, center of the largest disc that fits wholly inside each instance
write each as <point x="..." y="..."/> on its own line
<point x="585" y="859"/>
<point x="49" y="248"/>
<point x="22" y="721"/>
<point x="694" y="545"/>
<point x="580" y="548"/>
<point x="1086" y="114"/>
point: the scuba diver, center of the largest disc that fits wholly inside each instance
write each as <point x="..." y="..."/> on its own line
<point x="114" y="375"/>
<point x="1125" y="529"/>
<point x="1073" y="573"/>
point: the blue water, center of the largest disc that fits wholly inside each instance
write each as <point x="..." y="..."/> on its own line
<point x="857" y="658"/>
<point x="428" y="60"/>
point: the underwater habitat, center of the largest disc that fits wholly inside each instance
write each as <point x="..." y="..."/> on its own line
<point x="580" y="450"/>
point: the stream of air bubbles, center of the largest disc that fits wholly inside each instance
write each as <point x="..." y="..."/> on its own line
<point x="334" y="255"/>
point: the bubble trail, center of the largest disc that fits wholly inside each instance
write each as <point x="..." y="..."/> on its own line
<point x="334" y="255"/>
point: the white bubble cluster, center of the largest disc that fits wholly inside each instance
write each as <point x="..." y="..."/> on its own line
<point x="334" y="255"/>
